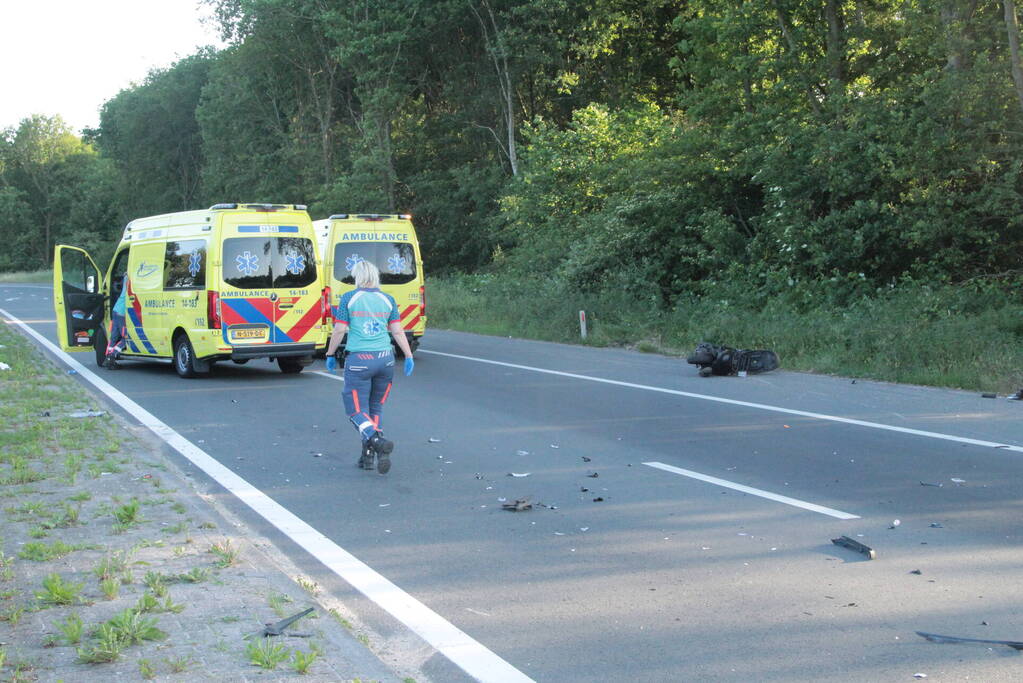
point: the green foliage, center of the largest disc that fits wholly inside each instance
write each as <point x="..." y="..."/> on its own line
<point x="266" y="654"/>
<point x="72" y="628"/>
<point x="303" y="660"/>
<point x="56" y="591"/>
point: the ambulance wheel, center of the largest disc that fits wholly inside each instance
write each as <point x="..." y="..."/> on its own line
<point x="240" y="361"/>
<point x="100" y="345"/>
<point x="185" y="362"/>
<point x="290" y="366"/>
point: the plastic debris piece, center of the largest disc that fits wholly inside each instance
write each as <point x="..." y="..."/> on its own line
<point x="1018" y="396"/>
<point x="926" y="483"/>
<point x="501" y="500"/>
<point x="585" y="459"/>
<point x="919" y="675"/>
<point x="593" y="475"/>
<point x="959" y="482"/>
<point x="583" y="489"/>
<point x="4" y="366"/>
<point x="936" y="525"/>
<point x="598" y="499"/>
<point x="584" y="528"/>
<point x="853" y="544"/>
<point x="87" y="413"/>
<point x="916" y="571"/>
<point x="935" y="638"/>
<point x="895" y="523"/>
<point x="518" y="506"/>
<point x="433" y="440"/>
<point x="554" y="445"/>
<point x="519" y="474"/>
<point x="383" y="505"/>
<point x="989" y="395"/>
<point x="521" y="452"/>
<point x="72" y="372"/>
<point x="558" y="533"/>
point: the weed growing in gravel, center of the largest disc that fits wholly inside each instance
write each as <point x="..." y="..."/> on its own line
<point x="128" y="514"/>
<point x="226" y="555"/>
<point x="301" y="661"/>
<point x="135" y="628"/>
<point x="44" y="552"/>
<point x="112" y="565"/>
<point x="146" y="669"/>
<point x="307" y="585"/>
<point x="179" y="508"/>
<point x="156" y="582"/>
<point x="110" y="588"/>
<point x="72" y="628"/>
<point x="56" y="591"/>
<point x="266" y="654"/>
<point x="179" y="664"/>
<point x="106" y="647"/>
<point x="277" y="601"/>
<point x="196" y="575"/>
<point x="73" y="463"/>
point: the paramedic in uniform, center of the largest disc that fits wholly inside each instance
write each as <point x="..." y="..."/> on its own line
<point x="117" y="328"/>
<point x="367" y="315"/>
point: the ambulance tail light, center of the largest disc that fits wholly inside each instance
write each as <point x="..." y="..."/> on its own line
<point x="213" y="309"/>
<point x="327" y="318"/>
<point x="422" y="299"/>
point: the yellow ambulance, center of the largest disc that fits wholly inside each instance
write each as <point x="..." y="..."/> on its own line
<point x="232" y="282"/>
<point x="389" y="242"/>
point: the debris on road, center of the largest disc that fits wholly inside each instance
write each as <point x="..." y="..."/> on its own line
<point x="853" y="544"/>
<point x="935" y="638"/>
<point x="1018" y="396"/>
<point x="554" y="445"/>
<point x="926" y="483"/>
<point x="518" y="506"/>
<point x="937" y="525"/>
<point x="519" y="474"/>
<point x="593" y="475"/>
<point x="433" y="440"/>
<point x="585" y="459"/>
<point x="4" y="366"/>
<point x="87" y="413"/>
<point x="917" y="572"/>
<point x="958" y="482"/>
<point x="521" y="452"/>
<point x="895" y="523"/>
<point x="989" y="395"/>
<point x="277" y="627"/>
<point x="598" y="500"/>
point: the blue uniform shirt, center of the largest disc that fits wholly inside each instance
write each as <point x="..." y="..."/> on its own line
<point x="367" y="312"/>
<point x="119" y="304"/>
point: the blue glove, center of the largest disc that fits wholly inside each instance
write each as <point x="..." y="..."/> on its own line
<point x="331" y="364"/>
<point x="409" y="366"/>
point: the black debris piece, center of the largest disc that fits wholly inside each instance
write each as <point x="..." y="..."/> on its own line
<point x="989" y="395"/>
<point x="916" y="571"/>
<point x="598" y="500"/>
<point x="1018" y="396"/>
<point x="584" y="489"/>
<point x="518" y="506"/>
<point x="853" y="544"/>
<point x="277" y="627"/>
<point x="935" y="638"/>
<point x="585" y="459"/>
<point x="936" y="525"/>
<point x="593" y="475"/>
<point x="927" y="483"/>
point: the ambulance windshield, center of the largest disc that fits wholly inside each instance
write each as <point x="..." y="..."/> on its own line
<point x="269" y="262"/>
<point x="396" y="261"/>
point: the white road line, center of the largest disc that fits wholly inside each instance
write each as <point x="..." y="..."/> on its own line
<point x="747" y="404"/>
<point x="465" y="652"/>
<point x="795" y="502"/>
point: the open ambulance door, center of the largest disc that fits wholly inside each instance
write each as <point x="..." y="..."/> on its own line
<point x="77" y="298"/>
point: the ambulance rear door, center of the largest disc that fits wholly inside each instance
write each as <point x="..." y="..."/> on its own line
<point x="77" y="298"/>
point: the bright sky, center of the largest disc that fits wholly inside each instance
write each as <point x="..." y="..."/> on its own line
<point x="68" y="57"/>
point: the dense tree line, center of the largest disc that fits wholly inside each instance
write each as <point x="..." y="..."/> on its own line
<point x="607" y="144"/>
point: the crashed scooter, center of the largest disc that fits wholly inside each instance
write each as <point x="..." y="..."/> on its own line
<point x="716" y="359"/>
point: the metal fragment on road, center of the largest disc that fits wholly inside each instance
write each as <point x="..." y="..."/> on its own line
<point x="519" y="474"/>
<point x="935" y="638"/>
<point x="853" y="544"/>
<point x="518" y="506"/>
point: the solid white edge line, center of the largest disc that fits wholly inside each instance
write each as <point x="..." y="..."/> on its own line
<point x="795" y="502"/>
<point x="747" y="404"/>
<point x="464" y="651"/>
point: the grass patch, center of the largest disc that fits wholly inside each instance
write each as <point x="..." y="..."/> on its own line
<point x="44" y="552"/>
<point x="945" y="336"/>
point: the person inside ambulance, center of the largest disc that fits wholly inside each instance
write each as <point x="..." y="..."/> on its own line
<point x="117" y="327"/>
<point x="367" y="315"/>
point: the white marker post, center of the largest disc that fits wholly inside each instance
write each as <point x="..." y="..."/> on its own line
<point x="582" y="323"/>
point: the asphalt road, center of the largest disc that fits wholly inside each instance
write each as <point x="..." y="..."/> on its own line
<point x="640" y="572"/>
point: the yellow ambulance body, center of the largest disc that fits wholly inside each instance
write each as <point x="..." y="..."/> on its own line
<point x="389" y="242"/>
<point x="233" y="282"/>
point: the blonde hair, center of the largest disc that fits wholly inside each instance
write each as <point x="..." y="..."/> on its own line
<point x="366" y="275"/>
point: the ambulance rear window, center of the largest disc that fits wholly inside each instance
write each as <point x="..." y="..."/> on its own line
<point x="269" y="262"/>
<point x="396" y="261"/>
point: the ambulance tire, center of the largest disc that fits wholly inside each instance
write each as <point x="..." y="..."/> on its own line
<point x="99" y="343"/>
<point x="185" y="362"/>
<point x="290" y="366"/>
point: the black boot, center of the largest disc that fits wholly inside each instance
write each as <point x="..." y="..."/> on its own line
<point x="382" y="447"/>
<point x="366" y="459"/>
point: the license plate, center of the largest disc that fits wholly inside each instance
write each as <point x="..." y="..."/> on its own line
<point x="248" y="334"/>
